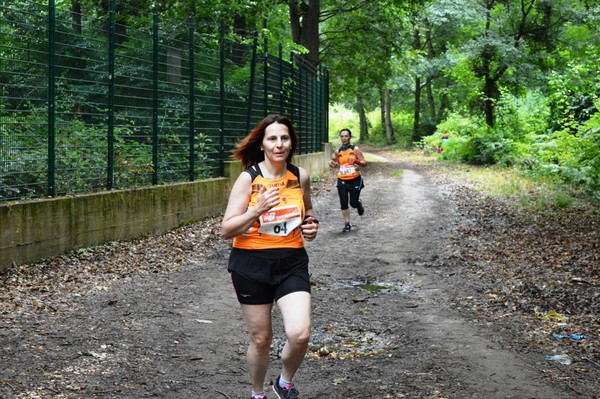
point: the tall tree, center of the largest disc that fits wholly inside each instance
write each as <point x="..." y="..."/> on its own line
<point x="510" y="41"/>
<point x="76" y="16"/>
<point x="436" y="25"/>
<point x="389" y="129"/>
<point x="417" y="91"/>
<point x="304" y="22"/>
<point x="358" y="42"/>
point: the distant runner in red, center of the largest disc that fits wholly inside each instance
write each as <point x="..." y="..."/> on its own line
<point x="348" y="159"/>
<point x="268" y="216"/>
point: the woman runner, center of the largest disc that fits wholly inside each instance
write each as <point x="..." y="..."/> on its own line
<point x="268" y="216"/>
<point x="348" y="159"/>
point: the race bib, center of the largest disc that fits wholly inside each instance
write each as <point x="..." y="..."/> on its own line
<point x="347" y="169"/>
<point x="280" y="221"/>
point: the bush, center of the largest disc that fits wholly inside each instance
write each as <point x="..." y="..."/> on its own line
<point x="572" y="158"/>
<point x="460" y="133"/>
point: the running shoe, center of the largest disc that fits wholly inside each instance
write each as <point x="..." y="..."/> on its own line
<point x="346" y="228"/>
<point x="258" y="397"/>
<point x="360" y="208"/>
<point x="287" y="392"/>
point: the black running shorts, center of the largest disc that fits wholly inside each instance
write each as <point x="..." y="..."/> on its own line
<point x="261" y="277"/>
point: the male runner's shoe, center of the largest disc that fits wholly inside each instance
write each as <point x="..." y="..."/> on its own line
<point x="360" y="208"/>
<point x="346" y="228"/>
<point x="287" y="392"/>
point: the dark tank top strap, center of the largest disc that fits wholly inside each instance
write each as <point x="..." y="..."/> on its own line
<point x="294" y="169"/>
<point x="254" y="171"/>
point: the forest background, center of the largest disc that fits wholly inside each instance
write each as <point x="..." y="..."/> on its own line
<point x="512" y="83"/>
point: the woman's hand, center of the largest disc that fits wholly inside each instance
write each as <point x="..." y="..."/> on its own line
<point x="267" y="199"/>
<point x="309" y="228"/>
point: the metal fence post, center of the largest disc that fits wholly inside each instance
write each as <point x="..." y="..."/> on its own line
<point x="300" y="113"/>
<point x="251" y="84"/>
<point x="293" y="93"/>
<point x="222" y="96"/>
<point x="51" y="98"/>
<point x="155" y="96"/>
<point x="110" y="167"/>
<point x="192" y="127"/>
<point x="319" y="107"/>
<point x="280" y="59"/>
<point x="266" y="78"/>
<point x="326" y="104"/>
<point x="315" y="109"/>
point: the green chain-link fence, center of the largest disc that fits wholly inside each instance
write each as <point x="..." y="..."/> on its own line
<point x="88" y="104"/>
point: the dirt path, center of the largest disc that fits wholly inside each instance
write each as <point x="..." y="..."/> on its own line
<point x="426" y="348"/>
<point x="157" y="318"/>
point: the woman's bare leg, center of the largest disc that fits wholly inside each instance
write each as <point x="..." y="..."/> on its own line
<point x="258" y="323"/>
<point x="295" y="310"/>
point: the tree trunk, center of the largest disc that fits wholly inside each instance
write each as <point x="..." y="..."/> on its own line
<point x="417" y="115"/>
<point x="389" y="129"/>
<point x="76" y="16"/>
<point x="548" y="40"/>
<point x="304" y="23"/>
<point x="240" y="51"/>
<point x="362" y="117"/>
<point x="120" y="27"/>
<point x="430" y="100"/>
<point x="491" y="96"/>
<point x="431" y="54"/>
<point x="382" y="106"/>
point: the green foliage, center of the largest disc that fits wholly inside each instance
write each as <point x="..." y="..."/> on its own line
<point x="401" y="125"/>
<point x="360" y="39"/>
<point x="588" y="159"/>
<point x="23" y="149"/>
<point x="520" y="139"/>
<point x="570" y="158"/>
<point x="573" y="92"/>
<point x="521" y="117"/>
<point x="466" y="140"/>
<point x="541" y="64"/>
<point x="81" y="158"/>
<point x="465" y="93"/>
<point x="460" y="131"/>
<point x="340" y="118"/>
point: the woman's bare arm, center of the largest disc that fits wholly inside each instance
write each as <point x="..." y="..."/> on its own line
<point x="238" y="217"/>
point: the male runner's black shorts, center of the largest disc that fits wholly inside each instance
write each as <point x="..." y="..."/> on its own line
<point x="263" y="276"/>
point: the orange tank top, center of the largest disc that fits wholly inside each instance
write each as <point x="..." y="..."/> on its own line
<point x="346" y="157"/>
<point x="278" y="227"/>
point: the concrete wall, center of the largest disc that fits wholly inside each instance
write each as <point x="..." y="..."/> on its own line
<point x="37" y="229"/>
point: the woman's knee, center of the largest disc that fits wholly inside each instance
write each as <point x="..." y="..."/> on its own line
<point x="299" y="336"/>
<point x="261" y="340"/>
